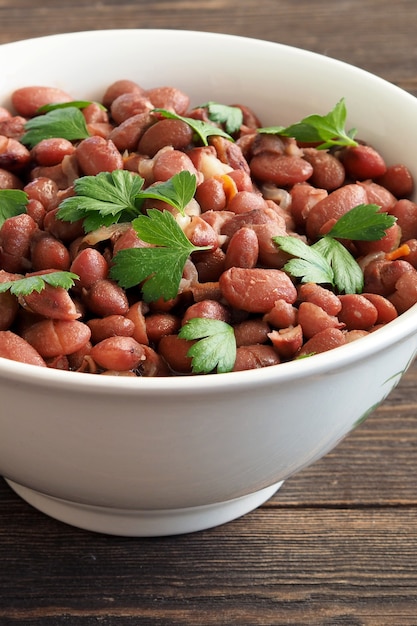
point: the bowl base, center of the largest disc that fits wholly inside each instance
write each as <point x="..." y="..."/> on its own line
<point x="143" y="523"/>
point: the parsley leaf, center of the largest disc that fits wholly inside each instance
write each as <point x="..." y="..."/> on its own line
<point x="112" y="197"/>
<point x="327" y="260"/>
<point x="201" y="129"/>
<point x="231" y="117"/>
<point x="362" y="223"/>
<point x="25" y="286"/>
<point x="348" y="275"/>
<point x="67" y="123"/>
<point x="308" y="263"/>
<point x="177" y="191"/>
<point x="12" y="202"/>
<point x="216" y="347"/>
<point x="326" y="130"/>
<point x="161" y="267"/>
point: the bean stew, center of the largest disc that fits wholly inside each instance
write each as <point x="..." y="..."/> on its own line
<point x="252" y="188"/>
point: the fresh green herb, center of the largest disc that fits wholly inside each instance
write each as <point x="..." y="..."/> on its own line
<point x="178" y="191"/>
<point x="102" y="200"/>
<point x="160" y="266"/>
<point x="118" y="196"/>
<point x="216" y="348"/>
<point x="328" y="261"/>
<point x="325" y="130"/>
<point x="78" y="104"/>
<point x="25" y="286"/>
<point x="12" y="202"/>
<point x="203" y="130"/>
<point x="307" y="262"/>
<point x="67" y="123"/>
<point x="231" y="117"/>
<point x="364" y="222"/>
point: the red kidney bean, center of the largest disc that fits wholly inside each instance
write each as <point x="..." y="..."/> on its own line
<point x="52" y="338"/>
<point x="174" y="350"/>
<point x="230" y="153"/>
<point x="51" y="151"/>
<point x="211" y="309"/>
<point x="168" y="162"/>
<point x="153" y="364"/>
<point x="380" y="276"/>
<point x="378" y="195"/>
<point x="322" y="297"/>
<point x="14" y="156"/>
<point x="245" y="201"/>
<point x="105" y="297"/>
<point x="160" y="324"/>
<point x="8" y="180"/>
<point x="169" y="98"/>
<point x="256" y="290"/>
<point x="110" y="326"/>
<point x="136" y="314"/>
<point x="200" y="233"/>
<point x="43" y="189"/>
<point x="95" y="114"/>
<point x="287" y="341"/>
<point x="313" y="319"/>
<point x="243" y="249"/>
<point x="16" y="234"/>
<point x="48" y="252"/>
<point x="16" y="348"/>
<point x="328" y="171"/>
<point x="90" y="266"/>
<point x="52" y="302"/>
<point x="357" y="312"/>
<point x="118" y="88"/>
<point x="27" y="100"/>
<point x="336" y="204"/>
<point x="126" y="136"/>
<point x="252" y="331"/>
<point x="385" y="309"/>
<point x="96" y="155"/>
<point x="13" y="127"/>
<point x="282" y="170"/>
<point x="65" y="231"/>
<point x="166" y="132"/>
<point x="405" y="295"/>
<point x="325" y="340"/>
<point x="211" y="195"/>
<point x="36" y="211"/>
<point x="362" y="162"/>
<point x="9" y="305"/>
<point x="282" y="315"/>
<point x="209" y="265"/>
<point x="255" y="357"/>
<point x="303" y="198"/>
<point x="398" y="180"/>
<point x="406" y="213"/>
<point x="128" y="104"/>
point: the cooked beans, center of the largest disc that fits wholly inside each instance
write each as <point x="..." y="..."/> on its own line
<point x="248" y="191"/>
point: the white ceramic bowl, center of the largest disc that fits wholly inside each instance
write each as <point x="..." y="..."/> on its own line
<point x="163" y="456"/>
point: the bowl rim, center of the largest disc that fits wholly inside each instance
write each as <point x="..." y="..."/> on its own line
<point x="395" y="331"/>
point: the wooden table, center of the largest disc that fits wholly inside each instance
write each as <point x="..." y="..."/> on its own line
<point x="338" y="543"/>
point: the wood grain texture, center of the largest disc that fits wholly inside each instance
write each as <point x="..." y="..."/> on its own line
<point x="337" y="545"/>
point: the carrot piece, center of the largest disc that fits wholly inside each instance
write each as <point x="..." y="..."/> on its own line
<point x="403" y="250"/>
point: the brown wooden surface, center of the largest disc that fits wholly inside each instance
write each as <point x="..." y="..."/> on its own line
<point x="338" y="543"/>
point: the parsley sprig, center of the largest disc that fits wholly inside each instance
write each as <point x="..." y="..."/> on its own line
<point x="325" y="130"/>
<point x="12" y="202"/>
<point x="231" y="117"/>
<point x="160" y="266"/>
<point x="118" y="196"/>
<point x="66" y="122"/>
<point x="215" y="348"/>
<point x="26" y="285"/>
<point x="203" y="130"/>
<point x="328" y="261"/>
